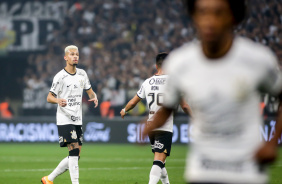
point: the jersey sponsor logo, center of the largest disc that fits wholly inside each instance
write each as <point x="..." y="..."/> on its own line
<point x="73" y="134"/>
<point x="160" y="81"/>
<point x="72" y="102"/>
<point x="152" y="81"/>
<point x="158" y="145"/>
<point x="74" y="96"/>
<point x="75" y="86"/>
<point x="75" y="118"/>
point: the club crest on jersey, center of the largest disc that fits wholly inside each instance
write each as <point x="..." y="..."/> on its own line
<point x="81" y="83"/>
<point x="73" y="134"/>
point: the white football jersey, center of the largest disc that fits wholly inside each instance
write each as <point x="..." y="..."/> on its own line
<point x="224" y="96"/>
<point x="70" y="87"/>
<point x="153" y="89"/>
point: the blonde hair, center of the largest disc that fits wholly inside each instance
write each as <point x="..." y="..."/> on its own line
<point x="70" y="47"/>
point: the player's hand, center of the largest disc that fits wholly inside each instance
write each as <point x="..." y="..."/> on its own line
<point x="95" y="100"/>
<point x="122" y="113"/>
<point x="62" y="102"/>
<point x="267" y="153"/>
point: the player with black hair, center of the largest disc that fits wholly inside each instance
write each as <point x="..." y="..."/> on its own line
<point x="238" y="9"/>
<point x="161" y="138"/>
<point x="222" y="75"/>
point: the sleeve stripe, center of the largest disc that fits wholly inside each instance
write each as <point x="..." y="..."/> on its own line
<point x="138" y="96"/>
<point x="53" y="93"/>
<point x="88" y="88"/>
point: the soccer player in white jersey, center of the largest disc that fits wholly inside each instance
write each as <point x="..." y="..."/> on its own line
<point x="161" y="138"/>
<point x="222" y="75"/>
<point x="66" y="91"/>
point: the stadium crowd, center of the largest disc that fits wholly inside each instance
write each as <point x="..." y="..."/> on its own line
<point x="118" y="42"/>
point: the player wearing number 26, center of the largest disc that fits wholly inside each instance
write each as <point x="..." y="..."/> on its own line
<point x="161" y="138"/>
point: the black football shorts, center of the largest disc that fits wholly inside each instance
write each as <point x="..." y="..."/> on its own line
<point x="70" y="133"/>
<point x="161" y="141"/>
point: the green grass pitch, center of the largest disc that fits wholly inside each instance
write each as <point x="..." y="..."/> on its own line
<point x="26" y="163"/>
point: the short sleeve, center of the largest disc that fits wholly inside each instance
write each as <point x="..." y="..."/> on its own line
<point x="141" y="92"/>
<point x="272" y="80"/>
<point x="56" y="85"/>
<point x="87" y="84"/>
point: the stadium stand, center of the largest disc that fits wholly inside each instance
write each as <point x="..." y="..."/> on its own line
<point x="118" y="41"/>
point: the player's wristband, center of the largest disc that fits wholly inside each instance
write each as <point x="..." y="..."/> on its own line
<point x="124" y="111"/>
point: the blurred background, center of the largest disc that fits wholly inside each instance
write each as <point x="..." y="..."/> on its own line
<point x="118" y="41"/>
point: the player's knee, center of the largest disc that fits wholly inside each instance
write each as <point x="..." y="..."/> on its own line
<point x="158" y="163"/>
<point x="160" y="156"/>
<point x="74" y="152"/>
<point x="73" y="145"/>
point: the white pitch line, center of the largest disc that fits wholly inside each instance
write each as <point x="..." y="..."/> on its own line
<point x="93" y="169"/>
<point x="85" y="169"/>
<point x="85" y="159"/>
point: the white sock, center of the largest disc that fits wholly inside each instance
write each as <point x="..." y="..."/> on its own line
<point x="73" y="168"/>
<point x="164" y="176"/>
<point x="155" y="174"/>
<point x="60" y="169"/>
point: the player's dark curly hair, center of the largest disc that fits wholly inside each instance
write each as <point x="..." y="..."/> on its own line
<point x="238" y="8"/>
<point x="160" y="58"/>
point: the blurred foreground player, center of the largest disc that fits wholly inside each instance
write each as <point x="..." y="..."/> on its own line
<point x="161" y="138"/>
<point x="67" y="91"/>
<point x="222" y="76"/>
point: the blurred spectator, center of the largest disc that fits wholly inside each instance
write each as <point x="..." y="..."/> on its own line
<point x="118" y="41"/>
<point x="106" y="110"/>
<point x="6" y="111"/>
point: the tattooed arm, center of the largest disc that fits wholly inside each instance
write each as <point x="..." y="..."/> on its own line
<point x="92" y="96"/>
